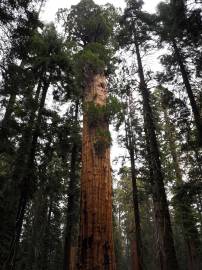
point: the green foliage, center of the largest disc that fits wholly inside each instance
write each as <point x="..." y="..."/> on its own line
<point x="88" y="22"/>
<point x="173" y="17"/>
<point x="93" y="58"/>
<point x="102" y="140"/>
<point x="48" y="51"/>
<point x="135" y="25"/>
<point x="34" y="55"/>
<point x="113" y="107"/>
<point x="98" y="114"/>
<point x="90" y="28"/>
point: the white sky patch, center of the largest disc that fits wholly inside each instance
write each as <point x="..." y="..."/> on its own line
<point x="51" y="7"/>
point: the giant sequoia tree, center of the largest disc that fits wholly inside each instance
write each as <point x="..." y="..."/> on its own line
<point x="55" y="164"/>
<point x="90" y="27"/>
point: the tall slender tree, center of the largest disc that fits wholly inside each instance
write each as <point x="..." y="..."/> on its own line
<point x="51" y="60"/>
<point x="131" y="132"/>
<point x="137" y="29"/>
<point x="173" y="27"/>
<point x="71" y="235"/>
<point x="183" y="207"/>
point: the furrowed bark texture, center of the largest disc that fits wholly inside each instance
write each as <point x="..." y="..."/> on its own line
<point x="96" y="241"/>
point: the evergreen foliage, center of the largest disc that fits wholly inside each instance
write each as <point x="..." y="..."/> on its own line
<point x="99" y="114"/>
<point x="155" y="122"/>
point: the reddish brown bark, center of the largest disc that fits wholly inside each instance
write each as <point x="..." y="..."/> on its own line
<point x="96" y="241"/>
<point x="72" y="255"/>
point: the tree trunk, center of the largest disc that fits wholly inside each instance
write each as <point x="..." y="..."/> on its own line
<point x="46" y="251"/>
<point x="134" y="256"/>
<point x="10" y="262"/>
<point x="72" y="208"/>
<point x="96" y="241"/>
<point x="183" y="208"/>
<point x="4" y="132"/>
<point x="159" y="251"/>
<point x="71" y="218"/>
<point x="130" y="139"/>
<point x="166" y="243"/>
<point x="23" y="175"/>
<point x="169" y="132"/>
<point x="41" y="210"/>
<point x="138" y="240"/>
<point x="195" y="109"/>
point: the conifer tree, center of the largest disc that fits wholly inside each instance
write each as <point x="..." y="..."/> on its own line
<point x="183" y="208"/>
<point x="90" y="27"/>
<point x="173" y="28"/>
<point x="51" y="63"/>
<point x="71" y="230"/>
<point x="135" y="27"/>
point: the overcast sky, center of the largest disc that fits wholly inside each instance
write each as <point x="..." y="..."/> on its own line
<point x="52" y="6"/>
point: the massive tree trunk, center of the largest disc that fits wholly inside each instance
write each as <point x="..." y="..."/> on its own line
<point x="185" y="77"/>
<point x="96" y="241"/>
<point x="162" y="216"/>
<point x="184" y="210"/>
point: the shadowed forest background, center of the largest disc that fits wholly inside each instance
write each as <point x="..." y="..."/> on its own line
<point x="66" y="89"/>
